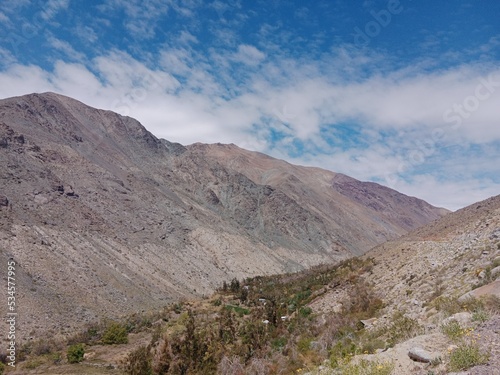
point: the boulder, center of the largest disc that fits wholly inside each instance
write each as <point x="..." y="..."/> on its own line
<point x="420" y="355"/>
<point x="491" y="289"/>
<point x="463" y="318"/>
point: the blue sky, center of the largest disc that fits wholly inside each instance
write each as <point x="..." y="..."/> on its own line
<point x="405" y="93"/>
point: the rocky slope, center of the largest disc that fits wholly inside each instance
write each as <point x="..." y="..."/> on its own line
<point x="423" y="273"/>
<point x="104" y="219"/>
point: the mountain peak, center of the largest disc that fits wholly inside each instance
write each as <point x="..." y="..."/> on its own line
<point x="142" y="221"/>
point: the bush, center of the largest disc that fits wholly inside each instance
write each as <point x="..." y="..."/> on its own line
<point x="453" y="330"/>
<point x="2" y="368"/>
<point x="75" y="353"/>
<point x="480" y="316"/>
<point x="402" y="328"/>
<point x="305" y="311"/>
<point x="138" y="362"/>
<point x="365" y="367"/>
<point x="116" y="333"/>
<point x="466" y="356"/>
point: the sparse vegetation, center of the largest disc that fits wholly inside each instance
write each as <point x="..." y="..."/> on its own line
<point x="365" y="367"/>
<point x="138" y="362"/>
<point x="480" y="316"/>
<point x="467" y="355"/>
<point x="454" y="331"/>
<point x="402" y="329"/>
<point x="262" y="324"/>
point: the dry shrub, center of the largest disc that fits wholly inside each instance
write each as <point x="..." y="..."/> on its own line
<point x="334" y="328"/>
<point x="138" y="362"/>
<point x="258" y="366"/>
<point x="162" y="358"/>
<point x="230" y="366"/>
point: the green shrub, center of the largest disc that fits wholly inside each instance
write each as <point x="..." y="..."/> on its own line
<point x="2" y="368"/>
<point x="75" y="353"/>
<point x="466" y="356"/>
<point x="237" y="309"/>
<point x="343" y="350"/>
<point x="453" y="330"/>
<point x="116" y="333"/>
<point x="305" y="311"/>
<point x="279" y="343"/>
<point x="480" y="316"/>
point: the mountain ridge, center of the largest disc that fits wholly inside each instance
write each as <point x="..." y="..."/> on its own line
<point x="97" y="203"/>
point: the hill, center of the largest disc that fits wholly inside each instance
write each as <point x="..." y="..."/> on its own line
<point x="105" y="219"/>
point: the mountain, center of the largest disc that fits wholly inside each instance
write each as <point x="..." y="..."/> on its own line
<point x="105" y="219"/>
<point x="442" y="258"/>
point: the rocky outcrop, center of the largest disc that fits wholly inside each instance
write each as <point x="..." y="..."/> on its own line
<point x="491" y="289"/>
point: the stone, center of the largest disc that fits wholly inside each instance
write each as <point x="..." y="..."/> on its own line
<point x="68" y="189"/>
<point x="368" y="323"/>
<point x="463" y="318"/>
<point x="4" y="202"/>
<point x="492" y="289"/>
<point x="420" y="355"/>
<point x="495" y="272"/>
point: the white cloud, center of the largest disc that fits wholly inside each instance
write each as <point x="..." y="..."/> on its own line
<point x="86" y="33"/>
<point x="4" y="18"/>
<point x="52" y="7"/>
<point x="141" y="15"/>
<point x="451" y="194"/>
<point x="186" y="100"/>
<point x="66" y="48"/>
<point x="249" y="55"/>
<point x="186" y="38"/>
<point x="6" y="57"/>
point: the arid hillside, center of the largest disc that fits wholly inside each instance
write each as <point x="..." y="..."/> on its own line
<point x="104" y="219"/>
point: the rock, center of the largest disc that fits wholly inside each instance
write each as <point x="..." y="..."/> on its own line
<point x="68" y="189"/>
<point x="4" y="202"/>
<point x="463" y="318"/>
<point x="495" y="272"/>
<point x="368" y="323"/>
<point x="492" y="289"/>
<point x="420" y="355"/>
<point x="482" y="274"/>
<point x="89" y="355"/>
